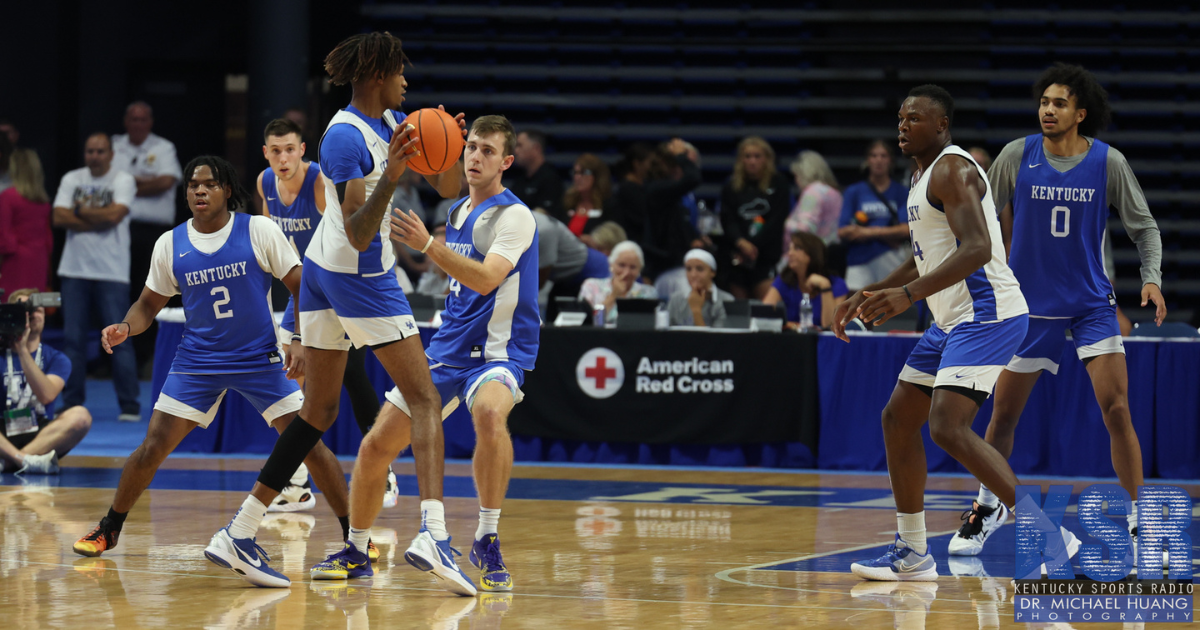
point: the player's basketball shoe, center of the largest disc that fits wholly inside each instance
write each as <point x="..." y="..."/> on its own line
<point x="899" y="564"/>
<point x="392" y="494"/>
<point x="347" y="564"/>
<point x="41" y="464"/>
<point x="979" y="523"/>
<point x="1131" y="557"/>
<point x="485" y="555"/>
<point x="1070" y="541"/>
<point x="101" y="539"/>
<point x="244" y="557"/>
<point x="437" y="558"/>
<point x="294" y="499"/>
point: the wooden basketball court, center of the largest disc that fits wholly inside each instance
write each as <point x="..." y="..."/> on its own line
<point x="588" y="548"/>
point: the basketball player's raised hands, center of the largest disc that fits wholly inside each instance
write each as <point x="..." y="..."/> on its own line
<point x="459" y="118"/>
<point x="114" y="335"/>
<point x="409" y="229"/>
<point x="402" y="142"/>
<point x="1151" y="293"/>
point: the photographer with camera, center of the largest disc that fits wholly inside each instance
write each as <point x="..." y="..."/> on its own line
<point x="34" y="375"/>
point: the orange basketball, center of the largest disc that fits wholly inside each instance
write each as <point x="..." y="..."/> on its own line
<point x="440" y="141"/>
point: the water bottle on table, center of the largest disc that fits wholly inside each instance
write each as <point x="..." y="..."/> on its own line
<point x="806" y="313"/>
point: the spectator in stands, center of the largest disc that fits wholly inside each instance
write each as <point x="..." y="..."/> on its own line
<point x="93" y="204"/>
<point x="6" y="151"/>
<point x="34" y="436"/>
<point x="820" y="203"/>
<point x="435" y="281"/>
<point x="982" y="157"/>
<point x="442" y="210"/>
<point x="628" y="206"/>
<point x="564" y="260"/>
<point x="804" y="275"/>
<point x="669" y="232"/>
<point x="754" y="206"/>
<point x="152" y="161"/>
<point x="7" y="128"/>
<point x="591" y="188"/>
<point x="605" y="237"/>
<point x="625" y="264"/>
<point x="701" y="304"/>
<point x="25" y="236"/>
<point x="540" y="186"/>
<point x="874" y="221"/>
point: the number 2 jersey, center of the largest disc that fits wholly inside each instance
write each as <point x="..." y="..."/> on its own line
<point x="1059" y="226"/>
<point x="990" y="293"/>
<point x="224" y="279"/>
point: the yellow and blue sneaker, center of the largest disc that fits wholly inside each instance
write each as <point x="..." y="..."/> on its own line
<point x="485" y="555"/>
<point x="347" y="564"/>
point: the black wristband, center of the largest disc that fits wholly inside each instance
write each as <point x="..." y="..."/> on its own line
<point x="128" y="328"/>
<point x="908" y="293"/>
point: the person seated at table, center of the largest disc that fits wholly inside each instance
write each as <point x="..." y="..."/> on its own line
<point x="805" y="264"/>
<point x="625" y="262"/>
<point x="701" y="304"/>
<point x="35" y="437"/>
<point x="605" y="237"/>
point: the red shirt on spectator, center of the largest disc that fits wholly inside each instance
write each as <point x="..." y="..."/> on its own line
<point x="25" y="242"/>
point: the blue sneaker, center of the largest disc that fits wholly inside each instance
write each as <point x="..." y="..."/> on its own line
<point x="244" y="557"/>
<point x="347" y="564"/>
<point x="437" y="558"/>
<point x="899" y="564"/>
<point x="485" y="555"/>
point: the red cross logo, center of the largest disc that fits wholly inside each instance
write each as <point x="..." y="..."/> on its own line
<point x="600" y="373"/>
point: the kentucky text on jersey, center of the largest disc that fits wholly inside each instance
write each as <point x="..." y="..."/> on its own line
<point x="212" y="274"/>
<point x="914" y="213"/>
<point x="292" y="225"/>
<point x="1055" y="193"/>
<point x="466" y="249"/>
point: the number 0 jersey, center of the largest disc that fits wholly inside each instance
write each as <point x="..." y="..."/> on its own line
<point x="991" y="293"/>
<point x="1059" y="222"/>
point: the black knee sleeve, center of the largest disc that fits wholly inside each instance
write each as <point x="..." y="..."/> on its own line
<point x="974" y="394"/>
<point x="293" y="445"/>
<point x="363" y="399"/>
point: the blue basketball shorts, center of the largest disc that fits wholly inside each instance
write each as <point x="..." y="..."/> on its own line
<point x="971" y="355"/>
<point x="456" y="384"/>
<point x="196" y="397"/>
<point x="1094" y="333"/>
<point x="337" y="309"/>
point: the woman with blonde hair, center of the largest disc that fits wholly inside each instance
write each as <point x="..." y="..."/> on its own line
<point x="25" y="236"/>
<point x="820" y="203"/>
<point x="591" y="187"/>
<point x="754" y="206"/>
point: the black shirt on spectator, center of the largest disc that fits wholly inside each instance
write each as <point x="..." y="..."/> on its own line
<point x="542" y="189"/>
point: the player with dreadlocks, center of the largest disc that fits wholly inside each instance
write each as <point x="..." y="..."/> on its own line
<point x="221" y="262"/>
<point x="350" y="296"/>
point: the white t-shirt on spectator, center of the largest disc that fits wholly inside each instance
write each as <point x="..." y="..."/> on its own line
<point x="155" y="156"/>
<point x="102" y="254"/>
<point x="271" y="249"/>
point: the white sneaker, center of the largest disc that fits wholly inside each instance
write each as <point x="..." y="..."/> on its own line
<point x="294" y="499"/>
<point x="41" y="464"/>
<point x="392" y="493"/>
<point x="244" y="557"/>
<point x="437" y="558"/>
<point x="980" y="522"/>
<point x="129" y="417"/>
<point x="1070" y="541"/>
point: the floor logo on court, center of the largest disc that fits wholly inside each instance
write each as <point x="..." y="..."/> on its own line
<point x="600" y="373"/>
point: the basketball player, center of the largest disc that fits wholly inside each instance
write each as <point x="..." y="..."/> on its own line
<point x="1056" y="188"/>
<point x="293" y="194"/>
<point x="221" y="261"/>
<point x="958" y="266"/>
<point x="488" y="339"/>
<point x="349" y="289"/>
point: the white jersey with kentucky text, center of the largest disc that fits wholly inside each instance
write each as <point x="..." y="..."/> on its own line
<point x="991" y="293"/>
<point x="330" y="247"/>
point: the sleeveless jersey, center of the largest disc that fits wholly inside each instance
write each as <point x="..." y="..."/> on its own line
<point x="1059" y="222"/>
<point x="989" y="294"/>
<point x="330" y="247"/>
<point x="299" y="220"/>
<point x="228" y="326"/>
<point x="501" y="326"/>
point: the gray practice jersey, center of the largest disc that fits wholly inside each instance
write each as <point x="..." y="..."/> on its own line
<point x="1124" y="193"/>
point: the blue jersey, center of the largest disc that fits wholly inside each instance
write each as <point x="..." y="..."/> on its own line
<point x="861" y="197"/>
<point x="501" y="326"/>
<point x="1058" y="233"/>
<point x="228" y="326"/>
<point x="299" y="219"/>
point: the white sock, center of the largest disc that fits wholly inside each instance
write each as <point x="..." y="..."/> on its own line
<point x="433" y="519"/>
<point x="912" y="530"/>
<point x="1132" y="518"/>
<point x="359" y="538"/>
<point x="489" y="520"/>
<point x="245" y="522"/>
<point x="987" y="497"/>
<point x="301" y="476"/>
